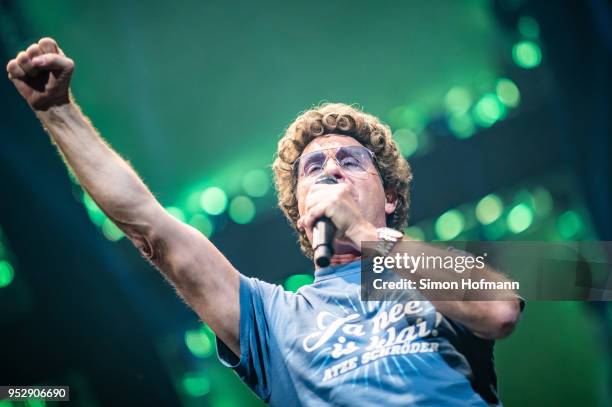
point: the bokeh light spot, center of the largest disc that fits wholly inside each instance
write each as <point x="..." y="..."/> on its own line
<point x="449" y="224"/>
<point x="489" y="209"/>
<point x="111" y="231"/>
<point x="569" y="224"/>
<point x="196" y="384"/>
<point x="527" y="54"/>
<point x="203" y="224"/>
<point x="7" y="273"/>
<point x="242" y="210"/>
<point x="462" y="126"/>
<point x="295" y="281"/>
<point x="256" y="183"/>
<point x="542" y="201"/>
<point x="408" y="117"/>
<point x="95" y="213"/>
<point x="458" y="100"/>
<point x="415" y="233"/>
<point x="407" y="140"/>
<point x="488" y="110"/>
<point x="519" y="218"/>
<point x="213" y="200"/>
<point x="176" y="212"/>
<point x="199" y="342"/>
<point x="507" y="92"/>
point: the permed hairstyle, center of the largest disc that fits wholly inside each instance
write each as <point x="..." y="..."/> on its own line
<point x="341" y="119"/>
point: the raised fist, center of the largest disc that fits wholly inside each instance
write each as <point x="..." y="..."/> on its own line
<point x="42" y="74"/>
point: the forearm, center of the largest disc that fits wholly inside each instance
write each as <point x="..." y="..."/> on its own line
<point x="487" y="315"/>
<point x="490" y="316"/>
<point x="487" y="319"/>
<point x="185" y="257"/>
<point x="109" y="179"/>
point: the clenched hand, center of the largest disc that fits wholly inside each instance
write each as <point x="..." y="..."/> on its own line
<point x="42" y="74"/>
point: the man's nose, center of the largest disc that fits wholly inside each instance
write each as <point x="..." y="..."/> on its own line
<point x="333" y="169"/>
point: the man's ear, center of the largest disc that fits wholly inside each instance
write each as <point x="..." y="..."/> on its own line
<point x="390" y="202"/>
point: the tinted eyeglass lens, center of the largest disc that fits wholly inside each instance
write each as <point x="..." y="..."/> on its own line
<point x="312" y="164"/>
<point x="353" y="159"/>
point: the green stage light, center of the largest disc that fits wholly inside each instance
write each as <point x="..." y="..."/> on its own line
<point x="7" y="273"/>
<point x="203" y="224"/>
<point x="292" y="283"/>
<point x="408" y="117"/>
<point x="192" y="203"/>
<point x="519" y="218"/>
<point x="542" y="201"/>
<point x="111" y="231"/>
<point x="495" y="230"/>
<point x="489" y="209"/>
<point x="527" y="54"/>
<point x="415" y="233"/>
<point x="2" y="250"/>
<point x="529" y="27"/>
<point x="35" y="403"/>
<point x="469" y="217"/>
<point x="569" y="224"/>
<point x="73" y="177"/>
<point x="242" y="210"/>
<point x="407" y="141"/>
<point x="95" y="213"/>
<point x="449" y="224"/>
<point x="458" y="101"/>
<point x="89" y="202"/>
<point x="507" y="92"/>
<point x="256" y="183"/>
<point x="199" y="343"/>
<point x="176" y="212"/>
<point x="488" y="110"/>
<point x="526" y="197"/>
<point x="208" y="331"/>
<point x="5" y="403"/>
<point x="462" y="126"/>
<point x="213" y="200"/>
<point x="196" y="384"/>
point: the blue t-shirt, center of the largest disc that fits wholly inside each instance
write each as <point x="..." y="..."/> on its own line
<point x="322" y="345"/>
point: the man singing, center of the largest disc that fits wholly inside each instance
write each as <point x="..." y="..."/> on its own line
<point x="321" y="345"/>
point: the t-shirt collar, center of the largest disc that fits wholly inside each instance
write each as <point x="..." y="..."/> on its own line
<point x="335" y="271"/>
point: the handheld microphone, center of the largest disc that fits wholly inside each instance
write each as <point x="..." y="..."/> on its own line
<point x="323" y="232"/>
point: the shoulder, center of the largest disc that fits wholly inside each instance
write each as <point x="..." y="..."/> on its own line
<point x="272" y="297"/>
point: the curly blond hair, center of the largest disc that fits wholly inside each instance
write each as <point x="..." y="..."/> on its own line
<point x="342" y="119"/>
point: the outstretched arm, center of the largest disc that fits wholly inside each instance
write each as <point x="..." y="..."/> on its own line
<point x="199" y="272"/>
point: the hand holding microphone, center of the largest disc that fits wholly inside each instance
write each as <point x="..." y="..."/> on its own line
<point x="332" y="213"/>
<point x="323" y="232"/>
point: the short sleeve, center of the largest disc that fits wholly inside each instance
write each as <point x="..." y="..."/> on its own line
<point x="478" y="352"/>
<point x="253" y="364"/>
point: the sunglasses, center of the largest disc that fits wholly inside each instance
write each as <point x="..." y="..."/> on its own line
<point x="355" y="161"/>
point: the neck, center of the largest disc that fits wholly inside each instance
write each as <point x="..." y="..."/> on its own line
<point x="338" y="259"/>
<point x="343" y="254"/>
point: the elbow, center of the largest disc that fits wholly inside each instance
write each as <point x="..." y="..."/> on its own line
<point x="502" y="319"/>
<point x="143" y="231"/>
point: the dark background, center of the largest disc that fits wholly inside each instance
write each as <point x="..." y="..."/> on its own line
<point x="508" y="100"/>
